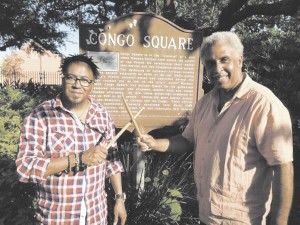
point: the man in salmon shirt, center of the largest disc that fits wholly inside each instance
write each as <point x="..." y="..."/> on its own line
<point x="241" y="136"/>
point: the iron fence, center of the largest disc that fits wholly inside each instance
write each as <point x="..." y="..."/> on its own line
<point x="41" y="77"/>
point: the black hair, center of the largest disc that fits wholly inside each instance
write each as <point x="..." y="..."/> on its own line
<point x="66" y="62"/>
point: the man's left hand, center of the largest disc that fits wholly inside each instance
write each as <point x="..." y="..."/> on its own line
<point x="120" y="211"/>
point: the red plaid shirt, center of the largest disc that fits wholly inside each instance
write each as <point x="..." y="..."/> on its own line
<point x="51" y="131"/>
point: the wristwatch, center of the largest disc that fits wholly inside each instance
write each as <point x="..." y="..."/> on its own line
<point x="121" y="196"/>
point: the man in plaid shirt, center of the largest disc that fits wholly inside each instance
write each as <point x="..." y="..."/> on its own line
<point x="62" y="150"/>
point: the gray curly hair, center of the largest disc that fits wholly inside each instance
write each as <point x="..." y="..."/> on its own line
<point x="226" y="36"/>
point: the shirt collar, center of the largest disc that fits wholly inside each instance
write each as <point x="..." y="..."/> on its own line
<point x="244" y="88"/>
<point x="57" y="103"/>
<point x="241" y="93"/>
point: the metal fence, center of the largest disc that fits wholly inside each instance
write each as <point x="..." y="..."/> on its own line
<point x="41" y="77"/>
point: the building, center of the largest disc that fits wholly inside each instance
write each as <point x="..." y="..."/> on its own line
<point x="26" y="64"/>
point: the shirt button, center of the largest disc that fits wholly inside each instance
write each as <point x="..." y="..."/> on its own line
<point x="209" y="141"/>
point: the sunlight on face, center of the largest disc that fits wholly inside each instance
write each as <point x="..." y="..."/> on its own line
<point x="74" y="92"/>
<point x="223" y="66"/>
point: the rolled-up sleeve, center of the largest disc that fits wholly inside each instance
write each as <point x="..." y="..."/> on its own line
<point x="31" y="160"/>
<point x="113" y="168"/>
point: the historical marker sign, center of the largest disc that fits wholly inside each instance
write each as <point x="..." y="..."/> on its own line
<point x="151" y="61"/>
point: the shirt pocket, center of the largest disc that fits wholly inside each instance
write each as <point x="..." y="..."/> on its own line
<point x="61" y="142"/>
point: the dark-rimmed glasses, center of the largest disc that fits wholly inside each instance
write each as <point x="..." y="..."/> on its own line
<point x="84" y="82"/>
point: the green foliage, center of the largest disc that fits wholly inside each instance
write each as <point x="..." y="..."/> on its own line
<point x="28" y="21"/>
<point x="14" y="104"/>
<point x="274" y="61"/>
<point x="168" y="195"/>
<point x="172" y="202"/>
<point x="200" y="13"/>
<point x="10" y="125"/>
<point x="16" y="100"/>
<point x="40" y="92"/>
<point x="17" y="199"/>
<point x="41" y="22"/>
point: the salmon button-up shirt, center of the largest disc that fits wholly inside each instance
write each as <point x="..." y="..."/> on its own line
<point x="234" y="150"/>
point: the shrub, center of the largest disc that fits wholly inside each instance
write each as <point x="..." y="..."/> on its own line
<point x="17" y="100"/>
<point x="17" y="199"/>
<point x="168" y="195"/>
<point x="39" y="91"/>
<point x="9" y="131"/>
<point x="13" y="106"/>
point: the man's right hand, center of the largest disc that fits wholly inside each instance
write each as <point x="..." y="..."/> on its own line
<point x="146" y="142"/>
<point x="94" y="155"/>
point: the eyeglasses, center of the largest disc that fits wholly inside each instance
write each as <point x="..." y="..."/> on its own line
<point x="84" y="82"/>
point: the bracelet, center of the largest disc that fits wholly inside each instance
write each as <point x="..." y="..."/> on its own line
<point x="121" y="196"/>
<point x="81" y="165"/>
<point x="76" y="167"/>
<point x="69" y="166"/>
<point x="58" y="174"/>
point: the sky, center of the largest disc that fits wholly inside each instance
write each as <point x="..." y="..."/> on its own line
<point x="72" y="45"/>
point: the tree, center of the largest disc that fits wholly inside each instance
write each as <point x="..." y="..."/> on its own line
<point x="12" y="63"/>
<point x="39" y="22"/>
<point x="221" y="15"/>
<point x="28" y="22"/>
